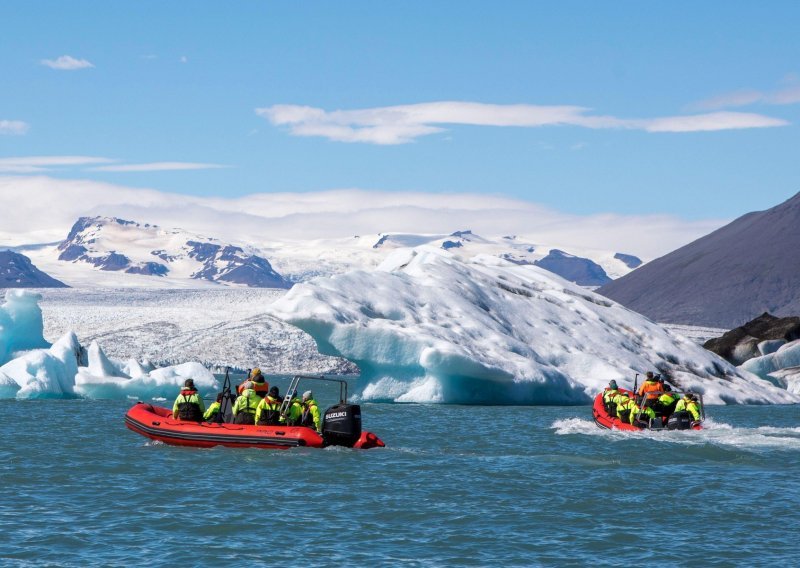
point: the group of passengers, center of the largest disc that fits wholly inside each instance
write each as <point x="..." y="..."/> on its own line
<point x="654" y="399"/>
<point x="257" y="403"/>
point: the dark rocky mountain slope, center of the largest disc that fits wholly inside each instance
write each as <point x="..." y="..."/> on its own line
<point x="17" y="271"/>
<point x="728" y="277"/>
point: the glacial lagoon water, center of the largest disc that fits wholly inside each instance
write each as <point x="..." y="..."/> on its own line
<point x="455" y="486"/>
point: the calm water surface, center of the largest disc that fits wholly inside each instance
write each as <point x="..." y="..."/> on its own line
<point x="463" y="486"/>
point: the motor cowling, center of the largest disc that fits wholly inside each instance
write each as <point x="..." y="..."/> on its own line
<point x="341" y="425"/>
<point x="680" y="421"/>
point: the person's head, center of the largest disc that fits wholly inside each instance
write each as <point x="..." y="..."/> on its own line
<point x="273" y="392"/>
<point x="219" y="397"/>
<point x="690" y="396"/>
<point x="188" y="384"/>
<point x="248" y="385"/>
<point x="612" y="385"/>
<point x="649" y="375"/>
<point x="255" y="373"/>
<point x="667" y="388"/>
<point x="307" y="396"/>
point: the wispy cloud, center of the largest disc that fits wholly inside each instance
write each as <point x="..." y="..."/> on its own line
<point x="157" y="167"/>
<point x="785" y="95"/>
<point x="43" y="164"/>
<point x="403" y="124"/>
<point x="66" y="63"/>
<point x="34" y="164"/>
<point x="13" y="127"/>
<point x="184" y="59"/>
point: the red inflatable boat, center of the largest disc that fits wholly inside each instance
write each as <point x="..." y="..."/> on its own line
<point x="676" y="421"/>
<point x="156" y="423"/>
<point x="341" y="426"/>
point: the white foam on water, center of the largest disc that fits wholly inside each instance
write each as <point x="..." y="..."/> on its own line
<point x="578" y="426"/>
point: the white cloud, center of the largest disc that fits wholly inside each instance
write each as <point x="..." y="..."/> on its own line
<point x="403" y="124"/>
<point x="42" y="209"/>
<point x="32" y="164"/>
<point x="13" y="127"/>
<point x="157" y="167"/>
<point x="711" y="122"/>
<point x="66" y="63"/>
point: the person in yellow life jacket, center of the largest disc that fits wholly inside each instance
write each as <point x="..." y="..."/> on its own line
<point x="268" y="410"/>
<point x="689" y="404"/>
<point x="610" y="392"/>
<point x="641" y="415"/>
<point x="244" y="409"/>
<point x="294" y="412"/>
<point x="650" y="387"/>
<point x="625" y="407"/>
<point x="213" y="410"/>
<point x="665" y="404"/>
<point x="188" y="405"/>
<point x="310" y="415"/>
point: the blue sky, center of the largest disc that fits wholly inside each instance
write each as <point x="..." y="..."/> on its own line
<point x="682" y="108"/>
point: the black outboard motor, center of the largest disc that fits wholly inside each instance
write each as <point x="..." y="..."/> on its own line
<point x="680" y="421"/>
<point x="341" y="425"/>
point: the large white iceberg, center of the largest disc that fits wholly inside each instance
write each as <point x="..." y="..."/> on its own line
<point x="426" y="327"/>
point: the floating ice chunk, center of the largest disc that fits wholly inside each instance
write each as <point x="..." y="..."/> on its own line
<point x="785" y="356"/>
<point x="135" y="369"/>
<point x="8" y="386"/>
<point x="770" y="346"/>
<point x="101" y="366"/>
<point x="21" y="326"/>
<point x="177" y="374"/>
<point x="43" y="373"/>
<point x="788" y="378"/>
<point x="428" y="327"/>
<point x="160" y="383"/>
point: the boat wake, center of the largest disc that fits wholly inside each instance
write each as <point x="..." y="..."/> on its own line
<point x="715" y="433"/>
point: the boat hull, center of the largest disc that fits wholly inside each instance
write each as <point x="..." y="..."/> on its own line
<point x="156" y="423"/>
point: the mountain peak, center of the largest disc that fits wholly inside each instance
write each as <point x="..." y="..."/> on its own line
<point x="121" y="245"/>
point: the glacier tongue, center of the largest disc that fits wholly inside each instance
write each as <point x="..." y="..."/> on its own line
<point x="427" y="327"/>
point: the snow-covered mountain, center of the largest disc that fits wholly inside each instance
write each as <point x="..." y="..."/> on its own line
<point x="587" y="267"/>
<point x="429" y="327"/>
<point x="116" y="245"/>
<point x="17" y="271"/>
<point x="112" y="252"/>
